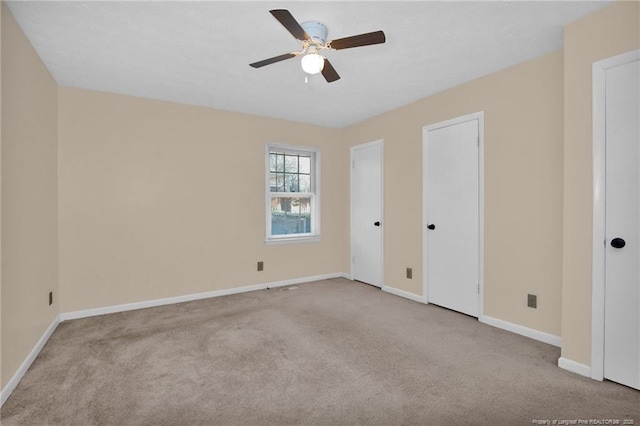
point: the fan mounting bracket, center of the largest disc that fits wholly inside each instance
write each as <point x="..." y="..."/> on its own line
<point x="317" y="31"/>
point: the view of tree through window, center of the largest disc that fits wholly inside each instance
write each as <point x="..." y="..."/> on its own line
<point x="292" y="193"/>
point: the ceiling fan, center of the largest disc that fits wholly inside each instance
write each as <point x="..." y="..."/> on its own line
<point x="313" y="36"/>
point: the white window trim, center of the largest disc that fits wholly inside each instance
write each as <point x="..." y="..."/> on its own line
<point x="316" y="197"/>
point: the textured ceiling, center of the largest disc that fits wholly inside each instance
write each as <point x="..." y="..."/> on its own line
<point x="198" y="52"/>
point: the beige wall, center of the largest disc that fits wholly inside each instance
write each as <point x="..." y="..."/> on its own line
<point x="29" y="197"/>
<point x="607" y="33"/>
<point x="160" y="199"/>
<point x="523" y="186"/>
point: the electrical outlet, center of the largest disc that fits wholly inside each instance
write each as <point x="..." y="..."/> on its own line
<point x="409" y="273"/>
<point x="532" y="301"/>
<point x="261" y="266"/>
<point x="50" y="298"/>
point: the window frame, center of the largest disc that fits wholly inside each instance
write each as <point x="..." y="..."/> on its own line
<point x="314" y="194"/>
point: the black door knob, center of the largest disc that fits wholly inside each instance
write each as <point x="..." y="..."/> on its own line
<point x="377" y="223"/>
<point x="432" y="226"/>
<point x="618" y="243"/>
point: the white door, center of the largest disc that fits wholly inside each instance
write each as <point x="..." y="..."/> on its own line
<point x="622" y="225"/>
<point x="451" y="215"/>
<point x="366" y="213"/>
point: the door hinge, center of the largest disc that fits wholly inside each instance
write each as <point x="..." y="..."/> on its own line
<point x="353" y="259"/>
<point x="353" y="164"/>
<point x="478" y="288"/>
<point x="478" y="142"/>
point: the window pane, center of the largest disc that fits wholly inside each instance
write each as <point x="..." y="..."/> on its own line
<point x="290" y="215"/>
<point x="305" y="183"/>
<point x="279" y="182"/>
<point x="273" y="182"/>
<point x="305" y="164"/>
<point x="272" y="162"/>
<point x="291" y="183"/>
<point x="280" y="162"/>
<point x="291" y="163"/>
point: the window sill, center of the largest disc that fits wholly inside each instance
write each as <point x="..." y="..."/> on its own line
<point x="293" y="240"/>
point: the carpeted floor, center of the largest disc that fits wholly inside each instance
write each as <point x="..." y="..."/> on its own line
<point x="327" y="353"/>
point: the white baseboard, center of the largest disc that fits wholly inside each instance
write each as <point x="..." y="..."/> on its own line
<point x="65" y="316"/>
<point x="303" y="280"/>
<point x="402" y="293"/>
<point x="522" y="330"/>
<point x="11" y="385"/>
<point x="189" y="297"/>
<point x="574" y="367"/>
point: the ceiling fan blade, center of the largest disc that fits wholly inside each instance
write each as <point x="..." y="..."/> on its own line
<point x="329" y="73"/>
<point x="289" y="22"/>
<point x="376" y="37"/>
<point x="273" y="60"/>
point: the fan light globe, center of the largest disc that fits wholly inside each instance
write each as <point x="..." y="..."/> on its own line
<point x="312" y="63"/>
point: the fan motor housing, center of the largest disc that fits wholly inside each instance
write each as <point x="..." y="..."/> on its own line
<point x="316" y="30"/>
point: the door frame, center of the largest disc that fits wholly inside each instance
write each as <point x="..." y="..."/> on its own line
<point x="479" y="116"/>
<point x="379" y="142"/>
<point x="599" y="69"/>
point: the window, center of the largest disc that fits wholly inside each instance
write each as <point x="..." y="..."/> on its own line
<point x="292" y="194"/>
